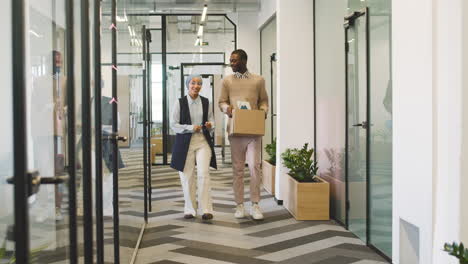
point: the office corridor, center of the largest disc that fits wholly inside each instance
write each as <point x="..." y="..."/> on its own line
<point x="169" y="238"/>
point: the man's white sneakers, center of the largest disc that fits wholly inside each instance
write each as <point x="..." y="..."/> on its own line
<point x="255" y="212"/>
<point x="240" y="211"/>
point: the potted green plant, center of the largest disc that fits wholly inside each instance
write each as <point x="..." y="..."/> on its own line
<point x="458" y="251"/>
<point x="269" y="168"/>
<point x="307" y="195"/>
<point x="8" y="257"/>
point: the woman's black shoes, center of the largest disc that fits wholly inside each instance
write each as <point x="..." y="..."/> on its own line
<point x="204" y="216"/>
<point x="207" y="216"/>
<point x="189" y="216"/>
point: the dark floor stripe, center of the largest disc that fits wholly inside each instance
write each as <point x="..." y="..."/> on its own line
<point x="219" y="256"/>
<point x="303" y="240"/>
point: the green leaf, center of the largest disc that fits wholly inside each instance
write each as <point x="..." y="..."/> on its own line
<point x="300" y="162"/>
<point x="457" y="250"/>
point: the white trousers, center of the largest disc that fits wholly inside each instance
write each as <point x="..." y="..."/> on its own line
<point x="199" y="151"/>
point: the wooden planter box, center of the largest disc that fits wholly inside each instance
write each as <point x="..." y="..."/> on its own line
<point x="268" y="177"/>
<point x="308" y="200"/>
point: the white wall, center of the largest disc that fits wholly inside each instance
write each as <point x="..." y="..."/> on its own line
<point x="267" y="11"/>
<point x="248" y="38"/>
<point x="447" y="76"/>
<point x="464" y="157"/>
<point x="412" y="121"/>
<point x="295" y="80"/>
<point x="429" y="147"/>
<point x="331" y="101"/>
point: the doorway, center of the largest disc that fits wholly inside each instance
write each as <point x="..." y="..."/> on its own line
<point x="356" y="46"/>
<point x="368" y="129"/>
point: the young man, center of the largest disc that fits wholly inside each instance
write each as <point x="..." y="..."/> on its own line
<point x="246" y="87"/>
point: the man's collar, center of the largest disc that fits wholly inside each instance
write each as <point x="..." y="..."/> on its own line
<point x="244" y="75"/>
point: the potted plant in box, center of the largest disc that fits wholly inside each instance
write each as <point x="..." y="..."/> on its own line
<point x="269" y="167"/>
<point x="307" y="195"/>
<point x="458" y="251"/>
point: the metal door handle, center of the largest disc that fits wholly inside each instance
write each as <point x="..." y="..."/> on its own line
<point x="364" y="125"/>
<point x="35" y="181"/>
<point x="121" y="138"/>
<point x="114" y="136"/>
<point x="53" y="180"/>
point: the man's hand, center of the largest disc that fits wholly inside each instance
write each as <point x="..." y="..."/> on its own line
<point x="208" y="125"/>
<point x="229" y="111"/>
<point x="197" y="128"/>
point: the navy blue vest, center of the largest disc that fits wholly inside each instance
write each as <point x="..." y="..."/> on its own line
<point x="182" y="141"/>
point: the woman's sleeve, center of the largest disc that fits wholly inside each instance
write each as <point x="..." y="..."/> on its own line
<point x="175" y="121"/>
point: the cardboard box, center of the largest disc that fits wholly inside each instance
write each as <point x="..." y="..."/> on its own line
<point x="247" y="123"/>
<point x="158" y="145"/>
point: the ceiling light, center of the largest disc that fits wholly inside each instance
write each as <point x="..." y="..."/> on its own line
<point x="121" y="19"/>
<point x="200" y="31"/>
<point x="130" y="31"/>
<point x="35" y="33"/>
<point x="205" y="10"/>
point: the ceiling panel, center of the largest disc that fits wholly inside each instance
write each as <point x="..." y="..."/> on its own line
<point x="186" y="6"/>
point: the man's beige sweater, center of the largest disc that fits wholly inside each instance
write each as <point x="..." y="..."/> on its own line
<point x="250" y="90"/>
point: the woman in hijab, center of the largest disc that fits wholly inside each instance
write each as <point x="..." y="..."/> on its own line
<point x="192" y="120"/>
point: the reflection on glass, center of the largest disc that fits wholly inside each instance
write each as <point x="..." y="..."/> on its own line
<point x="47" y="117"/>
<point x="268" y="47"/>
<point x="6" y="145"/>
<point x="381" y="130"/>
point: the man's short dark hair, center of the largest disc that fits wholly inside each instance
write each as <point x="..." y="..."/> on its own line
<point x="241" y="53"/>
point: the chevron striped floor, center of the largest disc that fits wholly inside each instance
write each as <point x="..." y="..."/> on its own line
<point x="171" y="239"/>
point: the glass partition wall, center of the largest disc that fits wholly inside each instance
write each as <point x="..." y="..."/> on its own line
<point x="380" y="142"/>
<point x="6" y="149"/>
<point x="50" y="86"/>
<point x="356" y="162"/>
<point x="83" y="80"/>
<point x="122" y="84"/>
<point x="268" y="71"/>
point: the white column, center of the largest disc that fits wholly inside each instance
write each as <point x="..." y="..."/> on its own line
<point x="464" y="158"/>
<point x="295" y="101"/>
<point x="412" y="122"/>
<point x="447" y="78"/>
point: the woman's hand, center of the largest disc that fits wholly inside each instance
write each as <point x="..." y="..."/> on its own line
<point x="208" y="125"/>
<point x="197" y="128"/>
<point x="229" y="111"/>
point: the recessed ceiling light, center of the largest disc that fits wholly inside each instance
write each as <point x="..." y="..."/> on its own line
<point x="205" y="10"/>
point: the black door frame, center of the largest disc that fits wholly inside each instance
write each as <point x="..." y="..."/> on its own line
<point x="115" y="137"/>
<point x="349" y="23"/>
<point x="20" y="181"/>
<point x="98" y="133"/>
<point x="145" y="125"/>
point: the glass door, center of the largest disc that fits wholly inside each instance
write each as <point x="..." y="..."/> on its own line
<point x="7" y="210"/>
<point x="356" y="45"/>
<point x="43" y="155"/>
